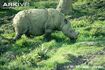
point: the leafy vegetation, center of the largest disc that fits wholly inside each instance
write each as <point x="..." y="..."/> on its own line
<point x="88" y="53"/>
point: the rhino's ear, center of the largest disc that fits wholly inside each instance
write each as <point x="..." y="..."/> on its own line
<point x="65" y="20"/>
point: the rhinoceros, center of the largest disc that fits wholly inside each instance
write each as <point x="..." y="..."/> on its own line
<point x="36" y="22"/>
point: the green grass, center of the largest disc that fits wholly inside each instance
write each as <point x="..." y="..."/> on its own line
<point x="88" y="53"/>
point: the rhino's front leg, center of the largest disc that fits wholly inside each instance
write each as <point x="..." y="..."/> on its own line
<point x="29" y="35"/>
<point x="47" y="36"/>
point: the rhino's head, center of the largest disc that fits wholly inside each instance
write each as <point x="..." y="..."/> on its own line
<point x="68" y="31"/>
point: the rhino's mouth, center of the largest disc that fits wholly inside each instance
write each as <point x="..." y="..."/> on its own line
<point x="74" y="37"/>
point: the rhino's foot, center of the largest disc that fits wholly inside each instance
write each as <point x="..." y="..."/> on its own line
<point x="18" y="36"/>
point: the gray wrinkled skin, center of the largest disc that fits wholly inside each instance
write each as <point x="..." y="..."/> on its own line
<point x="35" y="22"/>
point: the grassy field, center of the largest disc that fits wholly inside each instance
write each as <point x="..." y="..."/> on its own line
<point x="88" y="53"/>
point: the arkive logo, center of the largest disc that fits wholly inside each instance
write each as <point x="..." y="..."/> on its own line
<point x="13" y="4"/>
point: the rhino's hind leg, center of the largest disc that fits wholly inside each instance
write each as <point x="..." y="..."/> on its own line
<point x="18" y="36"/>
